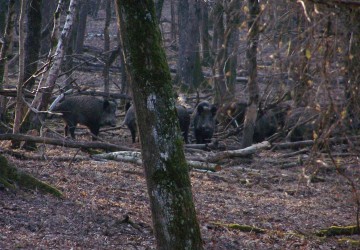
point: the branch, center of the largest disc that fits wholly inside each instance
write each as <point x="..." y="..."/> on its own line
<point x="135" y="157"/>
<point x="64" y="142"/>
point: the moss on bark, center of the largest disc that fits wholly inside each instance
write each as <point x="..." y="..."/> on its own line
<point x="9" y="175"/>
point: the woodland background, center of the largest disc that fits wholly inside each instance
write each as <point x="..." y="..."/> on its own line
<point x="307" y="54"/>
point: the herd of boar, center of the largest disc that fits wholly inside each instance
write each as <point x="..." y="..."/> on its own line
<point x="296" y="124"/>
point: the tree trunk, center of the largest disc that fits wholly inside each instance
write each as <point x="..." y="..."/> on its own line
<point x="47" y="84"/>
<point x="225" y="65"/>
<point x="352" y="64"/>
<point x="107" y="46"/>
<point x="81" y="27"/>
<point x="158" y="9"/>
<point x="47" y="13"/>
<point x="204" y="34"/>
<point x="32" y="42"/>
<point x="166" y="171"/>
<point x="3" y="9"/>
<point x="19" y="95"/>
<point x="173" y="26"/>
<point x="217" y="16"/>
<point x="189" y="72"/>
<point x="5" y="52"/>
<point x="253" y="89"/>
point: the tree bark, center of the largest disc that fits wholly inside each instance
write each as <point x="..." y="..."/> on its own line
<point x="352" y="64"/>
<point x="158" y="9"/>
<point x="81" y="27"/>
<point x="32" y="42"/>
<point x="8" y="38"/>
<point x="47" y="13"/>
<point x="189" y="74"/>
<point x="204" y="34"/>
<point x="253" y="88"/>
<point x="45" y="87"/>
<point x="225" y="65"/>
<point x="3" y="9"/>
<point x="166" y="171"/>
<point x="19" y="94"/>
<point x="107" y="46"/>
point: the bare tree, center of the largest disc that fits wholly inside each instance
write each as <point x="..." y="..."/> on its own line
<point x="19" y="95"/>
<point x="3" y="9"/>
<point x="32" y="41"/>
<point x="253" y="89"/>
<point x="47" y="84"/>
<point x="107" y="46"/>
<point x="8" y="38"/>
<point x="166" y="171"/>
<point x="225" y="66"/>
<point x="158" y="8"/>
<point x="5" y="51"/>
<point x="189" y="72"/>
<point x="48" y="9"/>
<point x="352" y="62"/>
<point x="81" y="27"/>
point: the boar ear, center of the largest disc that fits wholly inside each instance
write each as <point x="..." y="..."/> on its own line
<point x="200" y="109"/>
<point x="106" y="104"/>
<point x="213" y="110"/>
<point x="127" y="106"/>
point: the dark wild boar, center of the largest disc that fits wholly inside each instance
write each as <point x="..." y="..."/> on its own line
<point x="182" y="113"/>
<point x="204" y="122"/>
<point x="86" y="110"/>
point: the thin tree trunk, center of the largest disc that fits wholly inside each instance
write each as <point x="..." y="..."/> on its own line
<point x="225" y="65"/>
<point x="253" y="89"/>
<point x="81" y="27"/>
<point x="32" y="41"/>
<point x="47" y="83"/>
<point x="166" y="171"/>
<point x="352" y="63"/>
<point x="204" y="34"/>
<point x="5" y="52"/>
<point x="189" y="72"/>
<point x="107" y="46"/>
<point x="19" y="94"/>
<point x="48" y="14"/>
<point x="173" y="26"/>
<point x="158" y="9"/>
<point x="3" y="9"/>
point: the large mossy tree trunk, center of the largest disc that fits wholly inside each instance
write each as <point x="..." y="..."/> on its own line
<point x="166" y="171"/>
<point x="253" y="88"/>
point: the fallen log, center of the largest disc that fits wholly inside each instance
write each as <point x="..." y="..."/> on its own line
<point x="135" y="157"/>
<point x="306" y="143"/>
<point x="65" y="142"/>
<point x="245" y="152"/>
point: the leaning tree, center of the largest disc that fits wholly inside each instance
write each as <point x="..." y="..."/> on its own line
<point x="166" y="171"/>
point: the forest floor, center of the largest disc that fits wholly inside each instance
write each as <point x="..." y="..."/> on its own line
<point x="106" y="206"/>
